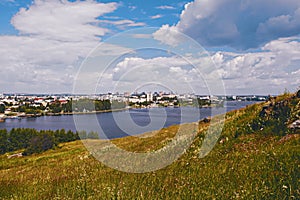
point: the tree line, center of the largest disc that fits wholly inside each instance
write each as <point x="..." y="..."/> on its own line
<point x="80" y="105"/>
<point x="37" y="141"/>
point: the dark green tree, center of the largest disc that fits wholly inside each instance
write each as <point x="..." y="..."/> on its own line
<point x="40" y="143"/>
<point x="2" y="108"/>
<point x="3" y="141"/>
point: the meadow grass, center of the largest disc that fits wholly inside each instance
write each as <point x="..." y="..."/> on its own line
<point x="245" y="165"/>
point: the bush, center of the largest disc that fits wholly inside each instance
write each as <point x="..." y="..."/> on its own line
<point x="3" y="141"/>
<point x="2" y="108"/>
<point x="82" y="135"/>
<point x="40" y="144"/>
<point x="93" y="135"/>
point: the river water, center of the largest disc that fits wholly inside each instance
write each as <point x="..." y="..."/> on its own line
<point x="122" y="123"/>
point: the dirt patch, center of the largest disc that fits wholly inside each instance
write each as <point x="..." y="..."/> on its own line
<point x="288" y="137"/>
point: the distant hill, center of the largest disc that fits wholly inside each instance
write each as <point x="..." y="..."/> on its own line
<point x="256" y="157"/>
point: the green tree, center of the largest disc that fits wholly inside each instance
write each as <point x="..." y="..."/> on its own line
<point x="3" y="141"/>
<point x="2" y="108"/>
<point x="82" y="135"/>
<point x="40" y="143"/>
<point x="93" y="135"/>
<point x="118" y="104"/>
<point x="67" y="107"/>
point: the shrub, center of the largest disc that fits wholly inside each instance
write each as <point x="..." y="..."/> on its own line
<point x="82" y="135"/>
<point x="93" y="135"/>
<point x="39" y="144"/>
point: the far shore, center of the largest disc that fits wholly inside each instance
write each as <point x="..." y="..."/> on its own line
<point x="90" y="112"/>
<point x="16" y="115"/>
<point x="23" y="115"/>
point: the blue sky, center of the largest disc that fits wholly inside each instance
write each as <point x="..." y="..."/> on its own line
<point x="152" y="13"/>
<point x="253" y="45"/>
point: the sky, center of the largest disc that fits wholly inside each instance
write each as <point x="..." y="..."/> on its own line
<point x="200" y="46"/>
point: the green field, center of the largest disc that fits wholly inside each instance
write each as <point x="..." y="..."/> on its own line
<point x="256" y="157"/>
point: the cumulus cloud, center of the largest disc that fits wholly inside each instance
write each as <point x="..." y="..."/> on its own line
<point x="270" y="71"/>
<point x="283" y="25"/>
<point x="180" y="74"/>
<point x="54" y="36"/>
<point x="154" y="69"/>
<point x="62" y="20"/>
<point x="235" y="23"/>
<point x="168" y="35"/>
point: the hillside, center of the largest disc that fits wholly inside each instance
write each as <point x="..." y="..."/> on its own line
<point x="256" y="157"/>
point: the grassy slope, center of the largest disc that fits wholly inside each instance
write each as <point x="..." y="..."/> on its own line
<point x="246" y="166"/>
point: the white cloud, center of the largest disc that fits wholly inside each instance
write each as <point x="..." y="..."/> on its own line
<point x="140" y="35"/>
<point x="168" y="35"/>
<point x="173" y="72"/>
<point x="132" y="8"/>
<point x="270" y="71"/>
<point x="166" y="7"/>
<point x="54" y="37"/>
<point x="271" y="27"/>
<point x="238" y="24"/>
<point x="123" y="23"/>
<point x="156" y="16"/>
<point x="281" y="25"/>
<point x="62" y="20"/>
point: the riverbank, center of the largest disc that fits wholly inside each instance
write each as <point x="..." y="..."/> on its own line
<point x="17" y="115"/>
<point x="89" y="112"/>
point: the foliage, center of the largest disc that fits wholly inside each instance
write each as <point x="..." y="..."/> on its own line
<point x="140" y="104"/>
<point x="93" y="135"/>
<point x="81" y="105"/>
<point x="40" y="143"/>
<point x="63" y="136"/>
<point x="270" y="118"/>
<point x="91" y="105"/>
<point x="2" y="108"/>
<point x="275" y="115"/>
<point x="3" y="141"/>
<point x="82" y="135"/>
<point x="102" y="105"/>
<point x="31" y="139"/>
<point x="197" y="102"/>
<point x="117" y="104"/>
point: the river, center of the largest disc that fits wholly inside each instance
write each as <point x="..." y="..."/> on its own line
<point x="119" y="124"/>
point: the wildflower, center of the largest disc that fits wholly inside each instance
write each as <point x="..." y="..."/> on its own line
<point x="284" y="187"/>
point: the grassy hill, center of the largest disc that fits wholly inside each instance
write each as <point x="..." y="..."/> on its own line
<point x="256" y="157"/>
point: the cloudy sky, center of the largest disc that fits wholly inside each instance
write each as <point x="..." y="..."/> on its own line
<point x="247" y="46"/>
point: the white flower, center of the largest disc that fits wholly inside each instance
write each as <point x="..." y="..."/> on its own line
<point x="284" y="187"/>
